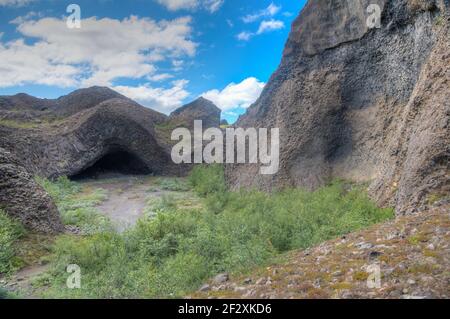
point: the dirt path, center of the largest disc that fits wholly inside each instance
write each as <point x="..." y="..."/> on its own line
<point x="22" y="281"/>
<point x="127" y="197"/>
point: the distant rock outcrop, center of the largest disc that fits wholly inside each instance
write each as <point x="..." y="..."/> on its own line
<point x="369" y="105"/>
<point x="201" y="109"/>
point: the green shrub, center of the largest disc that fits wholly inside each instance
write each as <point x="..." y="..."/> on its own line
<point x="172" y="184"/>
<point x="175" y="250"/>
<point x="60" y="189"/>
<point x="77" y="208"/>
<point x="208" y="179"/>
<point x="10" y="232"/>
<point x="5" y="294"/>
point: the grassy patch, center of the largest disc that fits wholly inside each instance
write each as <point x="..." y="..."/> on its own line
<point x="38" y="124"/>
<point x="20" y="125"/>
<point x="165" y="130"/>
<point x="5" y="294"/>
<point x="174" y="251"/>
<point x="172" y="184"/>
<point x="10" y="232"/>
<point x="77" y="208"/>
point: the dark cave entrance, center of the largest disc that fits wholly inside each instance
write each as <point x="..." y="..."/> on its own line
<point x="114" y="163"/>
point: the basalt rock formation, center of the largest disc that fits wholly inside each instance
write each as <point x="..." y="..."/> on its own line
<point x="25" y="200"/>
<point x="201" y="109"/>
<point x="365" y="104"/>
<point x="82" y="134"/>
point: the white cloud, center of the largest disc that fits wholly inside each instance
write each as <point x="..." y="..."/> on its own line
<point x="244" y="36"/>
<point x="14" y="3"/>
<point x="210" y="5"/>
<point x="160" y="77"/>
<point x="97" y="54"/>
<point x="160" y="99"/>
<point x="177" y="65"/>
<point x="264" y="27"/>
<point x="270" y="25"/>
<point x="270" y="11"/>
<point x="28" y="16"/>
<point x="235" y="95"/>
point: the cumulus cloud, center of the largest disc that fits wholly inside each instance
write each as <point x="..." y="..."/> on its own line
<point x="15" y="3"/>
<point x="100" y="52"/>
<point x="237" y="95"/>
<point x="244" y="36"/>
<point x="210" y="5"/>
<point x="264" y="27"/>
<point x="270" y="25"/>
<point x="160" y="77"/>
<point x="160" y="99"/>
<point x="177" y="65"/>
<point x="270" y="11"/>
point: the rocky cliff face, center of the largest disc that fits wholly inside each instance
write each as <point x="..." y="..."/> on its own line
<point x="360" y="103"/>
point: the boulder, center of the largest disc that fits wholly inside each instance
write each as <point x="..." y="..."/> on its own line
<point x="23" y="199"/>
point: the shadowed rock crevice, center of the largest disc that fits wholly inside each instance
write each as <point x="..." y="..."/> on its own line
<point x="115" y="161"/>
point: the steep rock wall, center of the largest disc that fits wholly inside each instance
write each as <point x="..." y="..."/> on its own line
<point x="369" y="105"/>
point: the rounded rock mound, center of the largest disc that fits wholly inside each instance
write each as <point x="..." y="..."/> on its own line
<point x="23" y="199"/>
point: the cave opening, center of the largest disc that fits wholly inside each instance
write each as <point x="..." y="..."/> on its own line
<point x="114" y="163"/>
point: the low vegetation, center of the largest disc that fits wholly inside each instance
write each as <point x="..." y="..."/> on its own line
<point x="172" y="251"/>
<point x="172" y="184"/>
<point x="10" y="232"/>
<point x="77" y="208"/>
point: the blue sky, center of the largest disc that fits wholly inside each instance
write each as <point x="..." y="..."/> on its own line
<point x="162" y="53"/>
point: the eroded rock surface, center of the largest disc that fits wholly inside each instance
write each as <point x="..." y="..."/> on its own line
<point x="369" y="105"/>
<point x="200" y="109"/>
<point x="73" y="144"/>
<point x="23" y="199"/>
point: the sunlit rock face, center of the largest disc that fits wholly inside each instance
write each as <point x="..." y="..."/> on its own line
<point x="325" y="24"/>
<point x="365" y="104"/>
